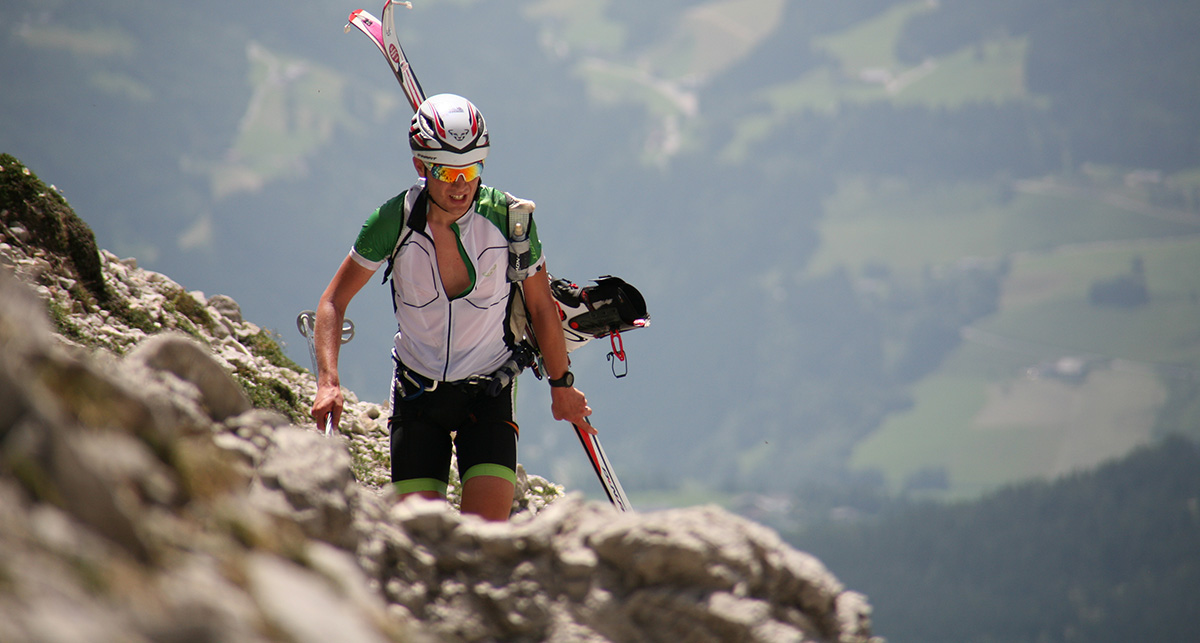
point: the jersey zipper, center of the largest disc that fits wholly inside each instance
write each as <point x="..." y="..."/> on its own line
<point x="471" y="274"/>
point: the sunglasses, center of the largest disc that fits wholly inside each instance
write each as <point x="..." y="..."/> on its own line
<point x="450" y="174"/>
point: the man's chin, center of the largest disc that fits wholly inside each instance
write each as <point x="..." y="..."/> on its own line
<point x="456" y="207"/>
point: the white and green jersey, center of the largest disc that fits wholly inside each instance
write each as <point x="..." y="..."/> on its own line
<point x="445" y="336"/>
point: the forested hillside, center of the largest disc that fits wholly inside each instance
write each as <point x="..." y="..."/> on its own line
<point x="1104" y="556"/>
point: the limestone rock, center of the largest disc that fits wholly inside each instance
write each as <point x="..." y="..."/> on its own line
<point x="188" y="360"/>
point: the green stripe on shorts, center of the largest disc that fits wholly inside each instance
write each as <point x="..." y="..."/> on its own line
<point x="489" y="469"/>
<point x="420" y="484"/>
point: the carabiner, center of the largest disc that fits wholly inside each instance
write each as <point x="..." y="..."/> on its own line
<point x="618" y="351"/>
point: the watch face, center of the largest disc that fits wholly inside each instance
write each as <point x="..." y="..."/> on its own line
<point x="565" y="381"/>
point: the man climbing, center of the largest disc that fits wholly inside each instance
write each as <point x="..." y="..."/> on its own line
<point x="446" y="241"/>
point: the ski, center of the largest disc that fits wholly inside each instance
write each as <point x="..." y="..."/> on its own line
<point x="383" y="34"/>
<point x="306" y="322"/>
<point x="604" y="471"/>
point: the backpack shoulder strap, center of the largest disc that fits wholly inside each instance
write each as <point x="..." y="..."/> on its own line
<point x="518" y="216"/>
<point x="414" y="197"/>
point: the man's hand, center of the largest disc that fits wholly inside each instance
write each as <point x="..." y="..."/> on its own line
<point x="571" y="405"/>
<point x="329" y="402"/>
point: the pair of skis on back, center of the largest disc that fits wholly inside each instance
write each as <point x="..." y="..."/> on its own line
<point x="382" y="32"/>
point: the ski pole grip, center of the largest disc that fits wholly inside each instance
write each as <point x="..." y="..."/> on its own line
<point x="305" y="322"/>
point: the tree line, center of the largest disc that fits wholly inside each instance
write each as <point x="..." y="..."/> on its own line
<point x="1107" y="555"/>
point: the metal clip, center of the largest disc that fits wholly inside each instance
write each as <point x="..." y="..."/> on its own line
<point x="618" y="351"/>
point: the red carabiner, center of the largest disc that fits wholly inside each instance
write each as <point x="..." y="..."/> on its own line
<point x="618" y="345"/>
<point x="618" y="351"/>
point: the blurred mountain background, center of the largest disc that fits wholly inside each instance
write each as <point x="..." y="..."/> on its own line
<point x="892" y="249"/>
<point x="895" y="252"/>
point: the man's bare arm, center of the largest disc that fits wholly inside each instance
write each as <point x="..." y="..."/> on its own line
<point x="567" y="403"/>
<point x="331" y="312"/>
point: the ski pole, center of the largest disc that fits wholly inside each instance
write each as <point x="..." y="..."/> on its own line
<point x="603" y="469"/>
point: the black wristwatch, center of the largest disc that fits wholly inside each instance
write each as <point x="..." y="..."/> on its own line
<point x="566" y="381"/>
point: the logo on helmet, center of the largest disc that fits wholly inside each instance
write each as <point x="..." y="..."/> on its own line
<point x="459" y="134"/>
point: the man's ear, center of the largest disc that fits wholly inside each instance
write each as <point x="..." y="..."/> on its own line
<point x="420" y="167"/>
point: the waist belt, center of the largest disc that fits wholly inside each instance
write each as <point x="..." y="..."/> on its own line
<point x="412" y="384"/>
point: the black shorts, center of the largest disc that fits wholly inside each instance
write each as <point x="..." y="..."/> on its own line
<point x="480" y="427"/>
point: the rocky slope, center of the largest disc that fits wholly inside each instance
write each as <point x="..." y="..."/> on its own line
<point x="159" y="482"/>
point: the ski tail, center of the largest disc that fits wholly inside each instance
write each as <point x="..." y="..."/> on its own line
<point x="369" y="25"/>
<point x="383" y="34"/>
<point x="603" y="469"/>
<point x="397" y="59"/>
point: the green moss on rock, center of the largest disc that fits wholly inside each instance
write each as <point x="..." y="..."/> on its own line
<point x="266" y="345"/>
<point x="52" y="225"/>
<point x="270" y="393"/>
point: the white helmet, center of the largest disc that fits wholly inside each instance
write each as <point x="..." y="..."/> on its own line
<point x="448" y="130"/>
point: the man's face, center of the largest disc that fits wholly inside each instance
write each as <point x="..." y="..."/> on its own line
<point x="454" y="195"/>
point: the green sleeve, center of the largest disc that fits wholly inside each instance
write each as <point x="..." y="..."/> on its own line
<point x="379" y="234"/>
